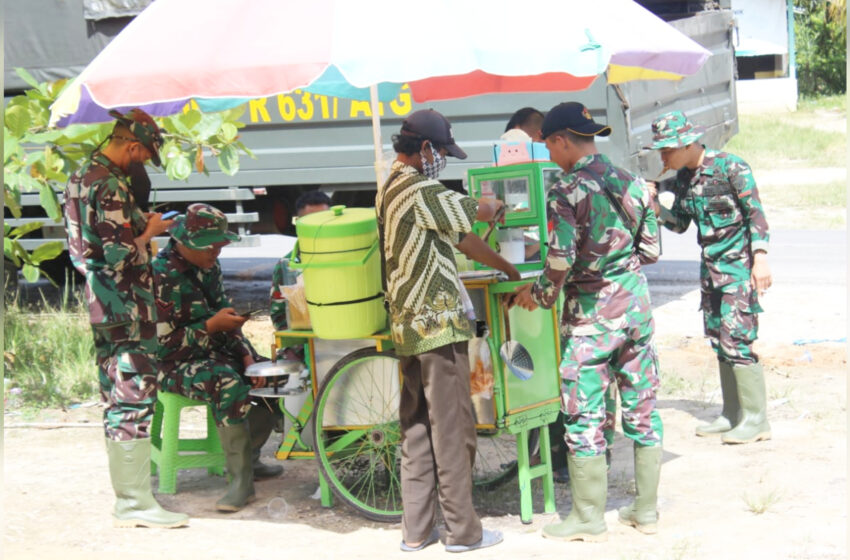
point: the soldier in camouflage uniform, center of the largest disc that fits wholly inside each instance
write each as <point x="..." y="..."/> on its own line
<point x="601" y="229"/>
<point x="109" y="243"/>
<point x="717" y="191"/>
<point x="203" y="353"/>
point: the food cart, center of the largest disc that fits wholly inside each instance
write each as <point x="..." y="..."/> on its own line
<point x="346" y="416"/>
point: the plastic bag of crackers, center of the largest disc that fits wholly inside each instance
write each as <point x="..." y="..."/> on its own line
<point x="480" y="369"/>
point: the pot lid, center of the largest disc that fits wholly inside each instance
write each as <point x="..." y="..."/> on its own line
<point x="339" y="221"/>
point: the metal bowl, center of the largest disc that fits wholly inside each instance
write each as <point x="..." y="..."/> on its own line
<point x="279" y="368"/>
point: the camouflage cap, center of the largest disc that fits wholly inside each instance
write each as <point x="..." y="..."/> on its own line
<point x="674" y="130"/>
<point x="202" y="227"/>
<point x="144" y="128"/>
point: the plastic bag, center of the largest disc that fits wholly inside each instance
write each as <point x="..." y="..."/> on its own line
<point x="298" y="316"/>
<point x="481" y="369"/>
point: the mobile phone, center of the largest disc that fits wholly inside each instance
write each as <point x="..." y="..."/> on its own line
<point x="250" y="313"/>
<point x="170" y="214"/>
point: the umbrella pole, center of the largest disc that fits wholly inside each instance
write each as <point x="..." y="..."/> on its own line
<point x="376" y="134"/>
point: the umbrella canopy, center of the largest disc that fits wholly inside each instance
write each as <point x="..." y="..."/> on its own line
<point x="222" y="53"/>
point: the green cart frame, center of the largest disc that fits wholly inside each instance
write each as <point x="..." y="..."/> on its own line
<point x="351" y="414"/>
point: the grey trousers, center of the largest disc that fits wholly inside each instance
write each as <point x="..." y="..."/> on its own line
<point x="438" y="445"/>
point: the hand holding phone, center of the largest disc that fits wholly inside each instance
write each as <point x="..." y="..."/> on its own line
<point x="250" y="313"/>
<point x="170" y="214"/>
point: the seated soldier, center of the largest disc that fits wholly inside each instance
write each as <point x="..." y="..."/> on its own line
<point x="202" y="351"/>
<point x="307" y="203"/>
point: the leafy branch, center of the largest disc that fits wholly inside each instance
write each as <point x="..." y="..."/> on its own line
<point x="40" y="159"/>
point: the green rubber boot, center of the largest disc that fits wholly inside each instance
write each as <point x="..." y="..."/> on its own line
<point x="261" y="421"/>
<point x="642" y="514"/>
<point x="236" y="441"/>
<point x="589" y="488"/>
<point x="731" y="407"/>
<point x="752" y="395"/>
<point x="130" y="471"/>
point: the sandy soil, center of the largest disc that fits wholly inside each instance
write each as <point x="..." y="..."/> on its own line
<point x="785" y="498"/>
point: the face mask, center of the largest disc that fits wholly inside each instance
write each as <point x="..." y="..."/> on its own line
<point x="140" y="184"/>
<point x="432" y="170"/>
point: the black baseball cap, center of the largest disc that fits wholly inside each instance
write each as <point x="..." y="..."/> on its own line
<point x="574" y="117"/>
<point x="428" y="124"/>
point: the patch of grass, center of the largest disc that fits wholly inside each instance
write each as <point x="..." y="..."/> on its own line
<point x="49" y="355"/>
<point x="771" y="141"/>
<point x="684" y="548"/>
<point x="762" y="501"/>
<point x="830" y="195"/>
<point x="828" y="102"/>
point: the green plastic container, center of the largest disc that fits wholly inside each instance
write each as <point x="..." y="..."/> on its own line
<point x="338" y="251"/>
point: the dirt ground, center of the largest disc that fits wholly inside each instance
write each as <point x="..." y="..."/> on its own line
<point x="784" y="498"/>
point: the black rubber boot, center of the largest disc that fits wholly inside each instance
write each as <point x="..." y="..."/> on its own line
<point x="262" y="421"/>
<point x="236" y="441"/>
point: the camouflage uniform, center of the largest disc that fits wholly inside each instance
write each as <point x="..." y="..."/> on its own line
<point x="102" y="222"/>
<point x="277" y="303"/>
<point x="193" y="362"/>
<point x="721" y="198"/>
<point x="607" y="323"/>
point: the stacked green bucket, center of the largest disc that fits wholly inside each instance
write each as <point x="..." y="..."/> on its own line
<point x="338" y="252"/>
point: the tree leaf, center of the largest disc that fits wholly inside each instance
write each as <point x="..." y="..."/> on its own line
<point x="17" y="120"/>
<point x="43" y="137"/>
<point x="46" y="252"/>
<point x="50" y="202"/>
<point x="209" y="126"/>
<point x="228" y="160"/>
<point x="234" y="114"/>
<point x="199" y="159"/>
<point x="190" y="118"/>
<point x="25" y="229"/>
<point x="245" y="149"/>
<point x="27" y="77"/>
<point x="10" y="252"/>
<point x="179" y="168"/>
<point x="12" y="199"/>
<point x="228" y="132"/>
<point x="31" y="273"/>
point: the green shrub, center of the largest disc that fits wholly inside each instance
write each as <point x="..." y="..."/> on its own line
<point x="820" y="31"/>
<point x="49" y="355"/>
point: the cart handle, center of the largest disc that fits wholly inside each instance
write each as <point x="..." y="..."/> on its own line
<point x="509" y="286"/>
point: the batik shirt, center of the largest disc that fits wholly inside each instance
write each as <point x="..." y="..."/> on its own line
<point x="592" y="252"/>
<point x="422" y="223"/>
<point x="186" y="296"/>
<point x="102" y="221"/>
<point x="720" y="196"/>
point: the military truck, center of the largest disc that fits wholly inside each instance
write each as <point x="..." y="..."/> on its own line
<point x="304" y="141"/>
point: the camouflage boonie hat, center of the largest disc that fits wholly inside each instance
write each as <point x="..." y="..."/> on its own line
<point x="144" y="128"/>
<point x="674" y="130"/>
<point x="202" y="227"/>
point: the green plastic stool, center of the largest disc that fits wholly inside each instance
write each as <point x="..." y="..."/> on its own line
<point x="170" y="453"/>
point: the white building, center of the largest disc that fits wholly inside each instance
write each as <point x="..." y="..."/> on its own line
<point x="764" y="37"/>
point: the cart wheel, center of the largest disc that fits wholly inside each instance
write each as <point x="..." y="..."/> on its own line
<point x="356" y="432"/>
<point x="495" y="457"/>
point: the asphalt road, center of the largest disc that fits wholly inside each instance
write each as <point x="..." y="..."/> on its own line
<point x="801" y="256"/>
